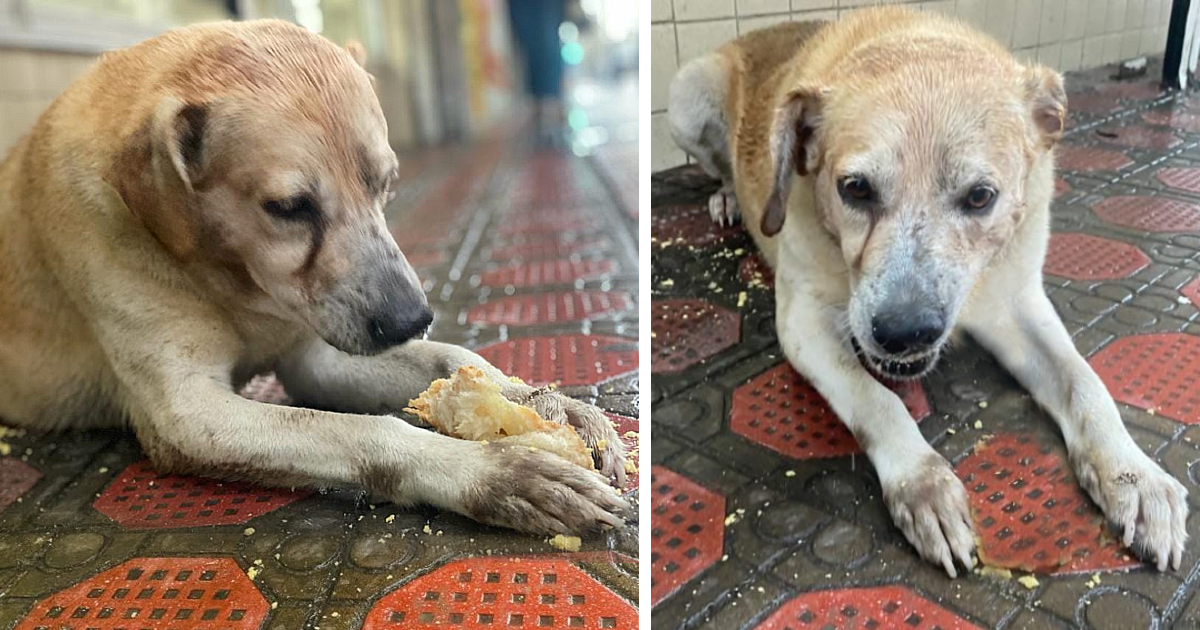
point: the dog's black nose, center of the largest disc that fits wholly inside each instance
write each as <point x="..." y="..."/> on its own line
<point x="394" y="329"/>
<point x="906" y="331"/>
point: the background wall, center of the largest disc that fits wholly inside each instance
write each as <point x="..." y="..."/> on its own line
<point x="1065" y="34"/>
<point x="29" y="80"/>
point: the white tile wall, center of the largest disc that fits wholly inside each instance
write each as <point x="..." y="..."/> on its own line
<point x="1065" y="34"/>
<point x="29" y="81"/>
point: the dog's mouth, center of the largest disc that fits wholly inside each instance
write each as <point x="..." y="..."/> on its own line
<point x="904" y="368"/>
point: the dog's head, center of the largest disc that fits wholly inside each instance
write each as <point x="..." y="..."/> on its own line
<point x="267" y="157"/>
<point x="920" y="165"/>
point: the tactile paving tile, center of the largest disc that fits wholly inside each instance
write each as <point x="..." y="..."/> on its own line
<point x="686" y="332"/>
<point x="175" y="593"/>
<point x="1139" y="136"/>
<point x="566" y="360"/>
<point x="1094" y="102"/>
<point x="1191" y="291"/>
<point x="1149" y="214"/>
<point x="630" y="431"/>
<point x="546" y="246"/>
<point x="871" y="608"/>
<point x="1087" y="257"/>
<point x="1061" y="187"/>
<point x="688" y="225"/>
<point x="754" y="270"/>
<point x="1174" y="118"/>
<point x="1154" y="372"/>
<point x="1076" y="158"/>
<point x="1181" y="177"/>
<point x="687" y="531"/>
<point x="484" y="593"/>
<point x="1030" y="512"/>
<point x="140" y="498"/>
<point x="547" y="272"/>
<point x="548" y="308"/>
<point x="782" y="411"/>
<point x="551" y="224"/>
<point x="16" y="478"/>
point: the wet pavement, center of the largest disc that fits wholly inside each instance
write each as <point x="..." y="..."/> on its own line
<point x="528" y="256"/>
<point x="767" y="516"/>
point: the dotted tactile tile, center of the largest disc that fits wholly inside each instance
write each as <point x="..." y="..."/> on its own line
<point x="547" y="272"/>
<point x="1087" y="257"/>
<point x="688" y="225"/>
<point x="16" y="478"/>
<point x="191" y="593"/>
<point x="548" y="308"/>
<point x="1139" y="136"/>
<point x="549" y="225"/>
<point x="687" y="332"/>
<point x="1181" y="177"/>
<point x="1174" y="118"/>
<point x="1076" y="158"/>
<point x="1094" y="102"/>
<point x="1191" y="291"/>
<point x="551" y="247"/>
<point x="1150" y="214"/>
<point x="754" y="270"/>
<point x="484" y="593"/>
<point x="1061" y="187"/>
<point x="566" y="360"/>
<point x="873" y="608"/>
<point x="687" y="531"/>
<point x="1030" y="512"/>
<point x="782" y="411"/>
<point x="140" y="498"/>
<point x="630" y="431"/>
<point x="1157" y="371"/>
<point x="426" y="258"/>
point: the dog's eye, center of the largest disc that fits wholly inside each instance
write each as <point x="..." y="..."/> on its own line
<point x="856" y="190"/>
<point x="298" y="208"/>
<point x="979" y="199"/>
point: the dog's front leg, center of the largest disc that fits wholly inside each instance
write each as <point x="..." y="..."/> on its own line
<point x="926" y="500"/>
<point x="204" y="428"/>
<point x="1029" y="339"/>
<point x="316" y="374"/>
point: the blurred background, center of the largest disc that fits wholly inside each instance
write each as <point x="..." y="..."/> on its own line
<point x="448" y="70"/>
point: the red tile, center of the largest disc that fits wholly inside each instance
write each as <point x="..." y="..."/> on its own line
<point x="566" y="360"/>
<point x="196" y="593"/>
<point x="1191" y="291"/>
<point x="1030" y="512"/>
<point x="687" y="225"/>
<point x="1077" y="158"/>
<point x="1094" y="102"/>
<point x="546" y="246"/>
<point x="630" y="431"/>
<point x="1181" y="177"/>
<point x="879" y="607"/>
<point x="1154" y="372"/>
<point x="547" y="272"/>
<point x="1139" y="136"/>
<point x="548" y="308"/>
<point x="753" y="267"/>
<point x="1061" y="187"/>
<point x="140" y="498"/>
<point x="427" y="258"/>
<point x="1174" y="118"/>
<point x="1139" y="91"/>
<point x="1086" y="257"/>
<point x="549" y="225"/>
<point x="1150" y="214"/>
<point x="16" y="478"/>
<point x="687" y="332"/>
<point x="687" y="531"/>
<point x="782" y="411"/>
<point x="486" y="593"/>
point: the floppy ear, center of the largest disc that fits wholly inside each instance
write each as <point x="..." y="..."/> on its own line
<point x="792" y="149"/>
<point x="156" y="171"/>
<point x="1047" y="102"/>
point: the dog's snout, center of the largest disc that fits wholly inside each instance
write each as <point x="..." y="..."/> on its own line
<point x="390" y="329"/>
<point x="906" y="331"/>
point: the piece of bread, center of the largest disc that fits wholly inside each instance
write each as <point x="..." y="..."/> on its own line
<point x="469" y="405"/>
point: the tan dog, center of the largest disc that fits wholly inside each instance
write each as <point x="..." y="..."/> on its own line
<point x="911" y="157"/>
<point x="206" y="206"/>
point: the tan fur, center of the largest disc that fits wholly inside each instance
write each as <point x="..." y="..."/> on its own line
<point x="205" y="206"/>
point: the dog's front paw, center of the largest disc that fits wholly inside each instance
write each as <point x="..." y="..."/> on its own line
<point x="540" y="493"/>
<point x="1148" y="506"/>
<point x="929" y="505"/>
<point x="597" y="431"/>
<point x="723" y="207"/>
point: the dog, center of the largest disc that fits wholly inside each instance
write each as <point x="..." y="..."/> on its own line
<point x="896" y="171"/>
<point x="207" y="206"/>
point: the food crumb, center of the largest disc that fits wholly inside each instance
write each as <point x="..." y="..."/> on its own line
<point x="790" y="473"/>
<point x="249" y="531"/>
<point x="1028" y="581"/>
<point x="390" y="519"/>
<point x="253" y="572"/>
<point x="428" y="529"/>
<point x="979" y="424"/>
<point x="565" y="543"/>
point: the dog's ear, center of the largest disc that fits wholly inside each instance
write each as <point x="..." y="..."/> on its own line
<point x="792" y="149"/>
<point x="1047" y="102"/>
<point x="358" y="52"/>
<point x="156" y="172"/>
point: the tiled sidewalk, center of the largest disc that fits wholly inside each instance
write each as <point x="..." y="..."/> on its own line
<point x="765" y="514"/>
<point x="527" y="257"/>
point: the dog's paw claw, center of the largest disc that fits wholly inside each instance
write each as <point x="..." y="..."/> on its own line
<point x="929" y="506"/>
<point x="596" y="430"/>
<point x="1147" y="505"/>
<point x="723" y="207"/>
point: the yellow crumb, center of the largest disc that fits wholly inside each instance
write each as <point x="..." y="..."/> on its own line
<point x="1028" y="581"/>
<point x="565" y="543"/>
